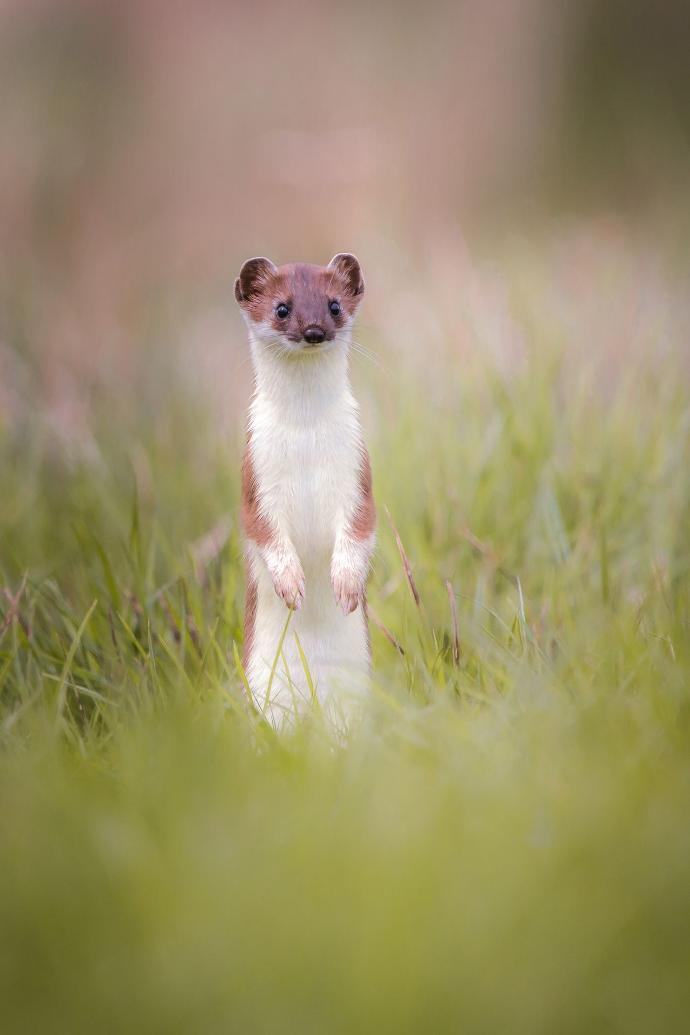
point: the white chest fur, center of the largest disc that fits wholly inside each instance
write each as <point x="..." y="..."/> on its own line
<point x="307" y="471"/>
<point x="305" y="442"/>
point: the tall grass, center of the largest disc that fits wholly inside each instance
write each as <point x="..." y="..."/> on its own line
<point x="501" y="842"/>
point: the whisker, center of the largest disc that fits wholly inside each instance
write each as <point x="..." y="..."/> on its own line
<point x="363" y="351"/>
<point x="372" y="360"/>
<point x="363" y="348"/>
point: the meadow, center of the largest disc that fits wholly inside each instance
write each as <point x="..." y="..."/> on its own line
<point x="501" y="841"/>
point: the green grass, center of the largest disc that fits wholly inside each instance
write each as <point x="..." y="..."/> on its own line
<point x="501" y="844"/>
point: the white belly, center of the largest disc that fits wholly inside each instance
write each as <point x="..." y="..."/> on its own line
<point x="308" y="478"/>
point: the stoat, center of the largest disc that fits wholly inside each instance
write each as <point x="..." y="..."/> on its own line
<point x="307" y="503"/>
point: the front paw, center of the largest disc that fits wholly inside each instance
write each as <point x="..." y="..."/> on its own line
<point x="289" y="585"/>
<point x="348" y="589"/>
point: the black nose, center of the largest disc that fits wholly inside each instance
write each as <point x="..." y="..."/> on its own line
<point x="313" y="334"/>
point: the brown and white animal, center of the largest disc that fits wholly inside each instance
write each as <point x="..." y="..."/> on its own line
<point x="307" y="503"/>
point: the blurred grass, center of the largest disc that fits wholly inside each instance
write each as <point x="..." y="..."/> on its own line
<point x="500" y="844"/>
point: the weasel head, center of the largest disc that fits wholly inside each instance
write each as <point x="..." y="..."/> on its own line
<point x="299" y="309"/>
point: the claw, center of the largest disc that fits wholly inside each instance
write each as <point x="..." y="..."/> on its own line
<point x="289" y="586"/>
<point x="348" y="591"/>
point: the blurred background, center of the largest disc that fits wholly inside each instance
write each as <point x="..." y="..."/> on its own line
<point x="147" y="148"/>
<point x="504" y="844"/>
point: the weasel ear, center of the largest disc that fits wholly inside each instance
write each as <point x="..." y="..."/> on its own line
<point x="254" y="275"/>
<point x="348" y="267"/>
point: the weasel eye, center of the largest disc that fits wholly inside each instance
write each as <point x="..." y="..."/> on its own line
<point x="282" y="310"/>
<point x="335" y="308"/>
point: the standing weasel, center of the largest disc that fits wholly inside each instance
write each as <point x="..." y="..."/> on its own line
<point x="307" y="504"/>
